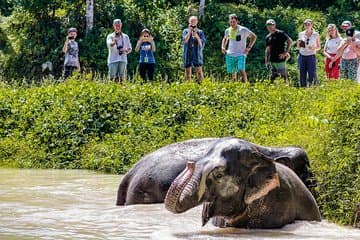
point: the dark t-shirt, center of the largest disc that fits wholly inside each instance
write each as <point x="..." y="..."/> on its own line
<point x="276" y="41"/>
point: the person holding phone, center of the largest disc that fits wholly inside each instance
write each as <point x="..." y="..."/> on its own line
<point x="71" y="50"/>
<point x="308" y="44"/>
<point x="119" y="46"/>
<point x="347" y="52"/>
<point x="235" y="38"/>
<point x="193" y="43"/>
<point x="146" y="47"/>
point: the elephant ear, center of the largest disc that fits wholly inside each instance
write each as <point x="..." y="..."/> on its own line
<point x="285" y="161"/>
<point x="262" y="179"/>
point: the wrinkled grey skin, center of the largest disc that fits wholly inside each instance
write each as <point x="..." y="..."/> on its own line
<point x="240" y="186"/>
<point x="149" y="179"/>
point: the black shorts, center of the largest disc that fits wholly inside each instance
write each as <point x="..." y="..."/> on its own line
<point x="68" y="70"/>
<point x="193" y="65"/>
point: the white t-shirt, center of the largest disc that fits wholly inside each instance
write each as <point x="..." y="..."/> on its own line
<point x="332" y="45"/>
<point x="237" y="48"/>
<point x="309" y="42"/>
<point x="114" y="55"/>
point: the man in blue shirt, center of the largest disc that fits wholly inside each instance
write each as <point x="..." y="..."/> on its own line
<point x="193" y="45"/>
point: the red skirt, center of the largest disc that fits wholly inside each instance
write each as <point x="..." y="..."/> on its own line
<point x="332" y="72"/>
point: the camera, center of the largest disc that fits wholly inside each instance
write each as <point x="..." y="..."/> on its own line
<point x="119" y="49"/>
<point x="350" y="32"/>
<point x="71" y="37"/>
<point x="302" y="44"/>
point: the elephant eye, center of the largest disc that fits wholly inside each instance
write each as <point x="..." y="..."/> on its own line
<point x="219" y="175"/>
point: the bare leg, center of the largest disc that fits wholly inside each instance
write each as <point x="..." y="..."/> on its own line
<point x="234" y="76"/>
<point x="188" y="74"/>
<point x="244" y="76"/>
<point x="200" y="73"/>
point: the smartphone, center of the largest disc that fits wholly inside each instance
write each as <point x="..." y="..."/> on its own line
<point x="350" y="32"/>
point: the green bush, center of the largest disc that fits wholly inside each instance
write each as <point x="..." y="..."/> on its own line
<point x="108" y="127"/>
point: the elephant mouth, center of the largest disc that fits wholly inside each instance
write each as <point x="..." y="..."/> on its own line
<point x="208" y="213"/>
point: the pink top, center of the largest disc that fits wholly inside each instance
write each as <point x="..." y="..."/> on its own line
<point x="349" y="53"/>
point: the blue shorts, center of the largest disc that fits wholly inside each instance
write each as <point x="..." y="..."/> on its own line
<point x="235" y="64"/>
<point x="117" y="69"/>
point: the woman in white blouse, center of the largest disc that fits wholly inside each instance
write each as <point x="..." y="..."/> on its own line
<point x="333" y="42"/>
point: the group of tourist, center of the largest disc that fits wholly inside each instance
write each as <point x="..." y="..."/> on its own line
<point x="341" y="54"/>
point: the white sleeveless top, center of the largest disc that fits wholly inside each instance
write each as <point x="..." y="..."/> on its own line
<point x="309" y="41"/>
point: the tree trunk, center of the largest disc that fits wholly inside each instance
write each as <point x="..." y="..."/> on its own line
<point x="202" y="9"/>
<point x="89" y="15"/>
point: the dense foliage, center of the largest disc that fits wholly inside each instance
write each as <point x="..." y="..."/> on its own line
<point x="108" y="127"/>
<point x="33" y="32"/>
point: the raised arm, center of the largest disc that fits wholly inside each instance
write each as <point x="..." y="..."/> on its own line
<point x="340" y="51"/>
<point x="65" y="47"/>
<point x="138" y="44"/>
<point x="153" y="46"/>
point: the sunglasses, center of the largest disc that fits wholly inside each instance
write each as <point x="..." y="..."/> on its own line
<point x="307" y="41"/>
<point x="146" y="36"/>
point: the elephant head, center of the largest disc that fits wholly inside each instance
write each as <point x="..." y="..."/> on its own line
<point x="231" y="176"/>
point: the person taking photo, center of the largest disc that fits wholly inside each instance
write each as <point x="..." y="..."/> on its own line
<point x="71" y="50"/>
<point x="119" y="46"/>
<point x="193" y="43"/>
<point x="146" y="47"/>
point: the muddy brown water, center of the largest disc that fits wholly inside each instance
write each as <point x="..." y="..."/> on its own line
<point x="76" y="204"/>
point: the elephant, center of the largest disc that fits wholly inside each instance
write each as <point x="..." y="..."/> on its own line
<point x="240" y="186"/>
<point x="150" y="178"/>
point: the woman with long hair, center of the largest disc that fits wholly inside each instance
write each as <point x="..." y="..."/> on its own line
<point x="333" y="42"/>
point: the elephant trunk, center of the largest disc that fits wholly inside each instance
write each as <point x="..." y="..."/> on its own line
<point x="182" y="195"/>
